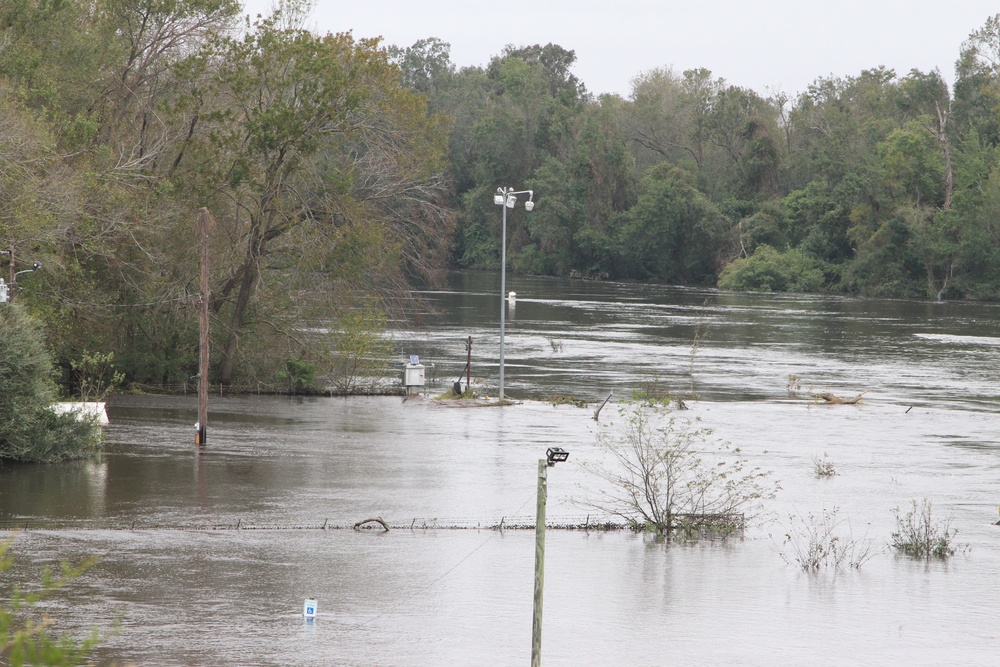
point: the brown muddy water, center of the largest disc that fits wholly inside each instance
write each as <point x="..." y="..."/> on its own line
<point x="206" y="559"/>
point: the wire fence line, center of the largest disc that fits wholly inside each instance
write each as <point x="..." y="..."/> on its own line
<point x="417" y="523"/>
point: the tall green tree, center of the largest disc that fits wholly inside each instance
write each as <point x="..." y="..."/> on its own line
<point x="673" y="233"/>
<point x="977" y="83"/>
<point x="319" y="164"/>
<point x="29" y="429"/>
<point x="571" y="231"/>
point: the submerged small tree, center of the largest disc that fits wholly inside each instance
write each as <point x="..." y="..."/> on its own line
<point x="29" y="429"/>
<point x="667" y="474"/>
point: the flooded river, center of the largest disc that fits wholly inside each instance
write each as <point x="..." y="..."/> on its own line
<point x="207" y="559"/>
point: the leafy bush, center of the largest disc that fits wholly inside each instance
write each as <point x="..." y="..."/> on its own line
<point x="29" y="429"/>
<point x="768" y="270"/>
<point x="300" y="376"/>
<point x="96" y="376"/>
<point x="917" y="534"/>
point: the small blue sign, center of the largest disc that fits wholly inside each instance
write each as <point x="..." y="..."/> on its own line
<point x="414" y="359"/>
<point x="309" y="608"/>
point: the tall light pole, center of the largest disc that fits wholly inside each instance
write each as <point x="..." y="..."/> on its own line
<point x="507" y="198"/>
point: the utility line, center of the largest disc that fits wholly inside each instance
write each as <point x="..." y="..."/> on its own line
<point x="443" y="575"/>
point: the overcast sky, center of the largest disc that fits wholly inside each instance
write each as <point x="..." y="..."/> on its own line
<point x="766" y="45"/>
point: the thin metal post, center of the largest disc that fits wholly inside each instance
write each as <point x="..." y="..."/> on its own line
<point x="205" y="219"/>
<point x="536" y="621"/>
<point x="503" y="287"/>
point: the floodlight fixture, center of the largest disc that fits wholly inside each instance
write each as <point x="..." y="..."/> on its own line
<point x="556" y="455"/>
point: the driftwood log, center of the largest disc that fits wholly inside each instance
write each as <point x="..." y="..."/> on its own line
<point x="837" y="400"/>
<point x="377" y="520"/>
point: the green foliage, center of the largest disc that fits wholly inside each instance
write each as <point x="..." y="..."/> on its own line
<point x="673" y="233"/>
<point x="653" y="391"/>
<point x="326" y="173"/>
<point x="977" y="72"/>
<point x="96" y="377"/>
<point x="29" y="429"/>
<point x="919" y="535"/>
<point x="884" y="266"/>
<point x="426" y="66"/>
<point x="659" y="477"/>
<point x="25" y="635"/>
<point x="768" y="225"/>
<point x="913" y="162"/>
<point x="360" y="352"/>
<point x="768" y="270"/>
<point x="300" y="376"/>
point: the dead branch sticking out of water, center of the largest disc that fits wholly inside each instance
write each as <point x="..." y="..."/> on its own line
<point x="361" y="524"/>
<point x="597" y="412"/>
<point x="833" y="399"/>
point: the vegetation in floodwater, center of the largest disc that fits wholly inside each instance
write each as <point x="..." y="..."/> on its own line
<point x="452" y="395"/>
<point x="668" y="475"/>
<point x="378" y="179"/>
<point x="653" y="390"/>
<point x="95" y="376"/>
<point x="793" y="386"/>
<point x="920" y="535"/>
<point x="26" y="634"/>
<point x="823" y="466"/>
<point x="567" y="400"/>
<point x="817" y="542"/>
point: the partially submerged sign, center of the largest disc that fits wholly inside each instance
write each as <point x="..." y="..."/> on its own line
<point x="83" y="410"/>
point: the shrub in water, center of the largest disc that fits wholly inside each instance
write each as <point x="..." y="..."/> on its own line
<point x="815" y="542"/>
<point x="917" y="534"/>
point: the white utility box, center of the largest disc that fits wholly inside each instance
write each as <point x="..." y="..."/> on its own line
<point x="413" y="375"/>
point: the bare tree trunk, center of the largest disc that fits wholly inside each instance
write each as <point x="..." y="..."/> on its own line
<point x="247" y="280"/>
<point x="942" y="137"/>
<point x="236" y="325"/>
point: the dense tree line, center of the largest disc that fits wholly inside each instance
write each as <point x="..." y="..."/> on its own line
<point x="341" y="170"/>
<point x="876" y="184"/>
<point x="118" y="120"/>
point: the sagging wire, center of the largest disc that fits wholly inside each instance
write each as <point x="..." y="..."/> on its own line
<point x="426" y="587"/>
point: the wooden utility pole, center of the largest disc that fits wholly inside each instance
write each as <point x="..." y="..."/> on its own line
<point x="536" y="619"/>
<point x="205" y="222"/>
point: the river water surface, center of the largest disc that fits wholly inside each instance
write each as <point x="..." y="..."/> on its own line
<point x="206" y="559"/>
